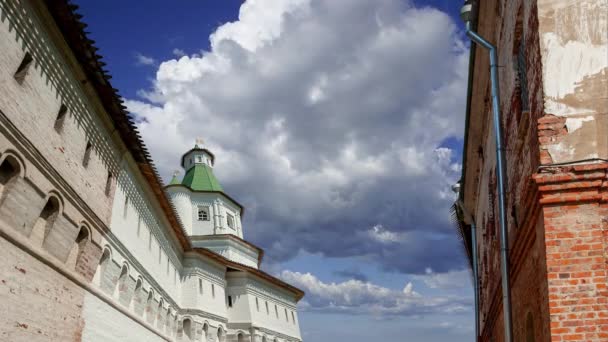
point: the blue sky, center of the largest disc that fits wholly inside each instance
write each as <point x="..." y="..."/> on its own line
<point x="338" y="124"/>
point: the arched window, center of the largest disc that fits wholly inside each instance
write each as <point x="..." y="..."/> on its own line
<point x="187" y="327"/>
<point x="105" y="259"/>
<point x="135" y="303"/>
<point x="9" y="170"/>
<point x="203" y="214"/>
<point x="121" y="285"/>
<point x="149" y="301"/>
<point x="205" y="332"/>
<point x="221" y="336"/>
<point x="240" y="337"/>
<point x="45" y="220"/>
<point x="159" y="313"/>
<point x="77" y="251"/>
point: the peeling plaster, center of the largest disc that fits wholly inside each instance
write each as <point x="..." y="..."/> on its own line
<point x="572" y="124"/>
<point x="567" y="66"/>
<point x="565" y="151"/>
<point x="574" y="45"/>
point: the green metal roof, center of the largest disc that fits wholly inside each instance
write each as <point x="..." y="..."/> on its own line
<point x="200" y="177"/>
<point x="174" y="180"/>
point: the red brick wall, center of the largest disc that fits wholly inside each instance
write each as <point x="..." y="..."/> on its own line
<point x="575" y="214"/>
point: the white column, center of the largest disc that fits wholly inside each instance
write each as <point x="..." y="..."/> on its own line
<point x="238" y="224"/>
<point x="216" y="217"/>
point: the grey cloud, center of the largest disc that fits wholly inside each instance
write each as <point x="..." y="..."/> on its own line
<point x="351" y="274"/>
<point x="326" y="118"/>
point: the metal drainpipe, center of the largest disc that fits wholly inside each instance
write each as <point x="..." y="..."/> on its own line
<point x="467" y="13"/>
<point x="471" y="219"/>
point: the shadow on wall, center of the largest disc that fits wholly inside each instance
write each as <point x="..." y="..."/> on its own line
<point x="41" y="218"/>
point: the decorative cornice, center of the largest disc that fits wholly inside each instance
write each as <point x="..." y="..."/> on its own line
<point x="576" y="183"/>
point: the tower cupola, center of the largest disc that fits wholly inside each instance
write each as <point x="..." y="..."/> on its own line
<point x="197" y="156"/>
<point x="210" y="217"/>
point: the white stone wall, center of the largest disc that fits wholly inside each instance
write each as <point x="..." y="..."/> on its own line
<point x="230" y="249"/>
<point x="212" y="277"/>
<point x="142" y="230"/>
<point x="187" y="202"/>
<point x="105" y="323"/>
<point x="144" y="286"/>
<point x="251" y="297"/>
<point x="33" y="105"/>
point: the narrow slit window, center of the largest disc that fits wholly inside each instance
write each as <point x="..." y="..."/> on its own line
<point x="200" y="286"/>
<point x="126" y="207"/>
<point x="229" y="301"/>
<point x="293" y="317"/>
<point x="286" y="317"/>
<point x="276" y="311"/>
<point x="267" y="310"/>
<point x="257" y="304"/>
<point x="87" y="154"/>
<point x="23" y="68"/>
<point x="109" y="182"/>
<point x="213" y="290"/>
<point x="63" y="110"/>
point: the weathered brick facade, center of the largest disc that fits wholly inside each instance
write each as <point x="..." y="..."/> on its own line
<point x="554" y="121"/>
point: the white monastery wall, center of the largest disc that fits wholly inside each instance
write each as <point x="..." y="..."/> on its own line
<point x="99" y="261"/>
<point x="32" y="106"/>
<point x="187" y="204"/>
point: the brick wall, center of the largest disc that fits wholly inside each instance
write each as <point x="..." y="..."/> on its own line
<point x="575" y="212"/>
<point x="556" y="214"/>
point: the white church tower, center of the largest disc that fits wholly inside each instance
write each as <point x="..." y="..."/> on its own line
<point x="212" y="219"/>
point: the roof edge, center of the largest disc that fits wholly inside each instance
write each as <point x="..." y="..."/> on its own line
<point x="208" y="192"/>
<point x="235" y="238"/>
<point x="83" y="49"/>
<point x="299" y="294"/>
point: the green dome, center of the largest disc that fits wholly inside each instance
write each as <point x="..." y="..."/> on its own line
<point x="200" y="177"/>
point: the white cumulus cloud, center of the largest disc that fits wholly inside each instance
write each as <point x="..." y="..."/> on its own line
<point x="359" y="297"/>
<point x="327" y="118"/>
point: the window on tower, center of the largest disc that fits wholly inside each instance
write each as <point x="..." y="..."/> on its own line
<point x="203" y="214"/>
<point x="230" y="221"/>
